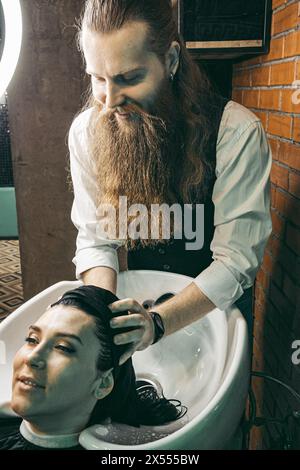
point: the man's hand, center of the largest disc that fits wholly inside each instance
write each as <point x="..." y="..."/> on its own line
<point x="143" y="334"/>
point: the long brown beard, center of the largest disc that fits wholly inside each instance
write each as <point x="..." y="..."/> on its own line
<point x="140" y="159"/>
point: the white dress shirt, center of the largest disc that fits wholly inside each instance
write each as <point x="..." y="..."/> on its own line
<point x="241" y="196"/>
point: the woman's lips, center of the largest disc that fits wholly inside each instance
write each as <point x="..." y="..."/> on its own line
<point x="27" y="383"/>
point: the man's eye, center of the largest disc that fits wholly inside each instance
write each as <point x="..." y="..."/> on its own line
<point x="98" y="79"/>
<point x="65" y="349"/>
<point x="132" y="79"/>
<point x="31" y="340"/>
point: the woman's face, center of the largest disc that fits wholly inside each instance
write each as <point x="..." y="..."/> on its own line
<point x="55" y="370"/>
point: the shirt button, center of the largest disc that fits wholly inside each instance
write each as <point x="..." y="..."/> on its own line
<point x="166" y="267"/>
<point x="161" y="251"/>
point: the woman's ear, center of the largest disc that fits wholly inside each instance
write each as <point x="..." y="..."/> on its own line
<point x="104" y="384"/>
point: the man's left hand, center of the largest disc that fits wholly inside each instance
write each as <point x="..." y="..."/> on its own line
<point x="142" y="336"/>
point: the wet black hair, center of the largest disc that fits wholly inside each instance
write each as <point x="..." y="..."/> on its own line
<point x="127" y="402"/>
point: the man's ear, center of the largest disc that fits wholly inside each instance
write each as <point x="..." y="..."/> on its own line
<point x="104" y="384"/>
<point x="172" y="58"/>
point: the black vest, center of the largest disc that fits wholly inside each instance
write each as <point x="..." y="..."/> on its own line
<point x="173" y="256"/>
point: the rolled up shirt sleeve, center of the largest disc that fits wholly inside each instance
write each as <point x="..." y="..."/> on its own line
<point x="92" y="250"/>
<point x="242" y="217"/>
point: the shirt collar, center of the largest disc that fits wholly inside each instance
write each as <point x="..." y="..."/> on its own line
<point x="58" y="442"/>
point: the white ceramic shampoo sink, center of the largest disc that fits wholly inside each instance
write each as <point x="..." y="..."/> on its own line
<point x="205" y="366"/>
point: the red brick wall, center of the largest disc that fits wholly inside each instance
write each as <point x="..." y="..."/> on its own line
<point x="265" y="85"/>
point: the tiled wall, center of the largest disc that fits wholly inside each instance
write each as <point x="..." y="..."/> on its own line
<point x="266" y="85"/>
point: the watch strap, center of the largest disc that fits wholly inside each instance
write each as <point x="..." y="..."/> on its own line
<point x="159" y="329"/>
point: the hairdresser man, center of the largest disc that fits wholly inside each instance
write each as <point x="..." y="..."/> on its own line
<point x="154" y="132"/>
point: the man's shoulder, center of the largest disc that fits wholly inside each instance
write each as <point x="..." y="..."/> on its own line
<point x="235" y="120"/>
<point x="81" y="123"/>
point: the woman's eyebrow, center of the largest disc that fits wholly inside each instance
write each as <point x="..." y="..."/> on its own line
<point x="58" y="334"/>
<point x="35" y="328"/>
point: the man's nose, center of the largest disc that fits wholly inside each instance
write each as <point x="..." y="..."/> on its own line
<point x="113" y="96"/>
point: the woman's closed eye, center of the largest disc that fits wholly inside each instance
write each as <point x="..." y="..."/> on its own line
<point x="67" y="349"/>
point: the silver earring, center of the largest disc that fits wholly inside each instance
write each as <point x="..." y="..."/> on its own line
<point x="171" y="76"/>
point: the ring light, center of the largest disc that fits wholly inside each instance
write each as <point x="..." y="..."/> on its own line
<point x="12" y="42"/>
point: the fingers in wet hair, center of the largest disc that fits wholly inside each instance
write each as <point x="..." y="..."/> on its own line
<point x="127" y="355"/>
<point x="127" y="321"/>
<point x="125" y="304"/>
<point x="130" y="337"/>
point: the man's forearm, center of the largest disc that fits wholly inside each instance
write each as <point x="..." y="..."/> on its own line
<point x="101" y="276"/>
<point x="184" y="308"/>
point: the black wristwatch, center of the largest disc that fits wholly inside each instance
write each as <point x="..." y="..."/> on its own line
<point x="159" y="329"/>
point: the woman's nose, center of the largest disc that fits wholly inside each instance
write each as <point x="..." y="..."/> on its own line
<point x="35" y="359"/>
